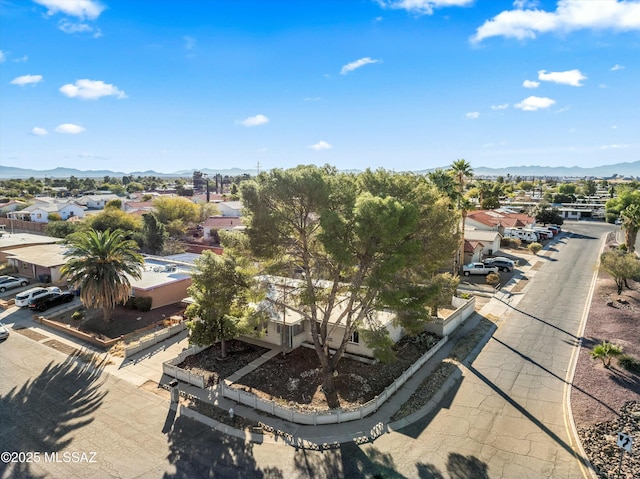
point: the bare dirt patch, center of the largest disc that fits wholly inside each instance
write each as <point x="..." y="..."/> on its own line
<point x="209" y="364"/>
<point x="600" y="393"/>
<point x="297" y="378"/>
<point x="123" y="321"/>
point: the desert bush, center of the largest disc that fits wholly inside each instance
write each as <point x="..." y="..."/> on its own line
<point x="77" y="315"/>
<point x="534" y="247"/>
<point x="605" y="352"/>
<point x="493" y="279"/>
<point x="630" y="363"/>
<point x="143" y="304"/>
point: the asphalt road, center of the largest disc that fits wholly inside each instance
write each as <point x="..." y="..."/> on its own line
<point x="505" y="420"/>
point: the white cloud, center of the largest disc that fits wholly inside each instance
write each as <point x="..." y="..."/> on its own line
<point x="613" y="147"/>
<point x="534" y="103"/>
<point x="614" y="127"/>
<point x="36" y="130"/>
<point x="22" y="59"/>
<point x="472" y="115"/>
<point x="2" y="57"/>
<point x="69" y="128"/>
<point x="522" y="4"/>
<point x="422" y="7"/>
<point x="530" y="84"/>
<point x="349" y="67"/>
<point x="602" y="85"/>
<point x="253" y="121"/>
<point x="90" y="9"/>
<point x="26" y="80"/>
<point x="69" y="27"/>
<point x="321" y="145"/>
<point x="504" y="106"/>
<point x="570" y="15"/>
<point x="91" y="90"/>
<point x="617" y="67"/>
<point x="570" y="77"/>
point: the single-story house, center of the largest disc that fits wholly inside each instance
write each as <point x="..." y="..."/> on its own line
<point x="39" y="212"/>
<point x="96" y="202"/>
<point x="227" y="223"/>
<point x="287" y="328"/>
<point x="11" y="205"/>
<point x="164" y="280"/>
<point x="490" y="241"/>
<point x="472" y="251"/>
<point x="230" y="208"/>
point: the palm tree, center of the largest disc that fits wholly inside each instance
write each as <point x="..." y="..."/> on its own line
<point x="631" y="224"/>
<point x="461" y="169"/>
<point x="100" y="264"/>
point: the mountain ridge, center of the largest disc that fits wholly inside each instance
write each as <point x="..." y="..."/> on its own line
<point x="627" y="169"/>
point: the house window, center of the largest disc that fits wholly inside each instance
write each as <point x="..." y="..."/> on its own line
<point x="39" y="215"/>
<point x="354" y="338"/>
<point x="298" y="329"/>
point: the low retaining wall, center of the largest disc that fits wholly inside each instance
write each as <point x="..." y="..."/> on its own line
<point x="332" y="416"/>
<point x="170" y="368"/>
<point x="77" y="334"/>
<point x="155" y="338"/>
<point x="444" y="327"/>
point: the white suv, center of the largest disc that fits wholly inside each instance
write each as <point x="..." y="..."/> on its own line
<point x="23" y="299"/>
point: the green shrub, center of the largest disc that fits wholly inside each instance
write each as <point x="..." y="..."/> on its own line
<point x="77" y="315"/>
<point x="130" y="303"/>
<point x="630" y="363"/>
<point x="610" y="217"/>
<point x="143" y="304"/>
<point x="605" y="352"/>
<point x="534" y="247"/>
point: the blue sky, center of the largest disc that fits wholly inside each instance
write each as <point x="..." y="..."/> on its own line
<point x="399" y="84"/>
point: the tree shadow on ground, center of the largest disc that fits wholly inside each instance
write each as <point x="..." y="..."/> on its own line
<point x="458" y="467"/>
<point x="197" y="451"/>
<point x="353" y="461"/>
<point x="43" y="413"/>
<point x="349" y="460"/>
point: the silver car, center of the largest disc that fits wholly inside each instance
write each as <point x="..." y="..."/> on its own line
<point x="9" y="282"/>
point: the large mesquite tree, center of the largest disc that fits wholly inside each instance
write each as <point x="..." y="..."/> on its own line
<point x="358" y="244"/>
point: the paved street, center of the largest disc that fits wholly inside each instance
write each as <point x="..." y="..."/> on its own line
<point x="504" y="420"/>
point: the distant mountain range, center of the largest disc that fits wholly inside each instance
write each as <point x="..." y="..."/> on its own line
<point x="605" y="171"/>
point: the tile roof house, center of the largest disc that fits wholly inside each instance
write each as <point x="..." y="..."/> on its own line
<point x="226" y="223"/>
<point x="492" y="220"/>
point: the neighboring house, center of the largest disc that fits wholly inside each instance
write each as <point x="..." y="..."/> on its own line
<point x="472" y="251"/>
<point x="96" y="202"/>
<point x="230" y="208"/>
<point x="11" y="206"/>
<point x="10" y="242"/>
<point x="39" y="212"/>
<point x="164" y="280"/>
<point x="137" y="206"/>
<point x="38" y="260"/>
<point x="216" y="223"/>
<point x="490" y="241"/>
<point x="290" y="329"/>
<point x="495" y="220"/>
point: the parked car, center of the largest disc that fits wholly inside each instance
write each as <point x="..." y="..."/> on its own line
<point x="50" y="299"/>
<point x="9" y="282"/>
<point x="502" y="265"/>
<point x="23" y="299"/>
<point x="4" y="332"/>
<point x="478" y="268"/>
